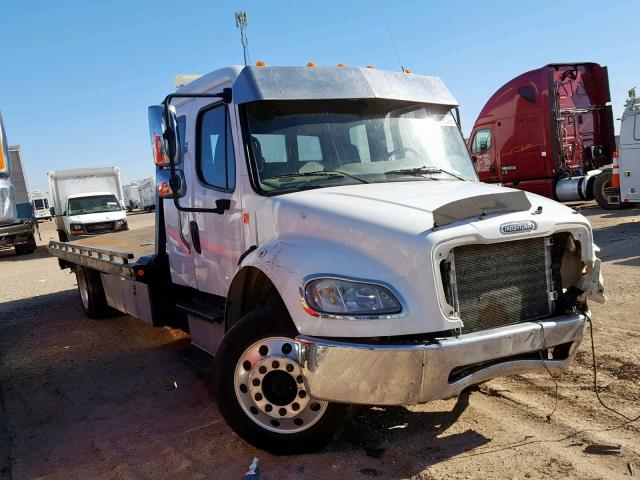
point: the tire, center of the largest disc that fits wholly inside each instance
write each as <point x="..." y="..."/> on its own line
<point x="600" y="183"/>
<point x="62" y="236"/>
<point x="30" y="246"/>
<point x="296" y="423"/>
<point x="91" y="292"/>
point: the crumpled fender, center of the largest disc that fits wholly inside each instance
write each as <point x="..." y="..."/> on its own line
<point x="592" y="283"/>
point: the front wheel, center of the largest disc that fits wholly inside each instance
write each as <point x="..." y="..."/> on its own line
<point x="261" y="391"/>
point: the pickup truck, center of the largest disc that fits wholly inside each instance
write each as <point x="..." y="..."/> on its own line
<point x="324" y="233"/>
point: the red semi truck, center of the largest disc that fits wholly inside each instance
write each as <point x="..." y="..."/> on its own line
<point x="550" y="131"/>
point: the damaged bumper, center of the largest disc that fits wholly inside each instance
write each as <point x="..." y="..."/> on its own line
<point x="416" y="373"/>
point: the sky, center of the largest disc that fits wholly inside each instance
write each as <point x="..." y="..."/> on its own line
<point x="76" y="77"/>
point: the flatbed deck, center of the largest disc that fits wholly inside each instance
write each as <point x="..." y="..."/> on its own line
<point x="139" y="241"/>
<point x="116" y="253"/>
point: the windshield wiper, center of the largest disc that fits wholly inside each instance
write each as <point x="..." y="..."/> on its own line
<point x="328" y="173"/>
<point x="422" y="171"/>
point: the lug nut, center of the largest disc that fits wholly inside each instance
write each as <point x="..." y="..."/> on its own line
<point x="262" y="369"/>
<point x="268" y="407"/>
<point x="282" y="412"/>
<point x="258" y="396"/>
<point x="256" y="382"/>
<point x="275" y="364"/>
<point x="289" y="368"/>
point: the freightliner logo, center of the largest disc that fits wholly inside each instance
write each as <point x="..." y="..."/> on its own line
<point x="517" y="227"/>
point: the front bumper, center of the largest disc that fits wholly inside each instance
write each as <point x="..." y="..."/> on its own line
<point x="417" y="373"/>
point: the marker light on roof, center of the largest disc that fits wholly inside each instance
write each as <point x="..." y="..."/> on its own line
<point x="260" y="63"/>
<point x="341" y="65"/>
<point x="311" y="64"/>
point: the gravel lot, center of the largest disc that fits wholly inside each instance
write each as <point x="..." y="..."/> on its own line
<point x="86" y="398"/>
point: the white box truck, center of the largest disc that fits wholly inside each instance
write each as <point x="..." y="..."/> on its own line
<point x="40" y="202"/>
<point x="329" y="243"/>
<point x="629" y="160"/>
<point x="17" y="224"/>
<point x="87" y="201"/>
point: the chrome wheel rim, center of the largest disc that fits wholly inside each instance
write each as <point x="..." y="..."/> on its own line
<point x="270" y="388"/>
<point x="82" y="288"/>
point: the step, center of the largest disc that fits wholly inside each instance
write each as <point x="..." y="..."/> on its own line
<point x="205" y="311"/>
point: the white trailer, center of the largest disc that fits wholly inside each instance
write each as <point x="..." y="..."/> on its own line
<point x="147" y="191"/>
<point x="132" y="199"/>
<point x="329" y="244"/>
<point x="87" y="201"/>
<point x="17" y="224"/>
<point x="629" y="160"/>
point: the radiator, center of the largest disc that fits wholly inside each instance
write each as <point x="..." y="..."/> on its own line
<point x="501" y="284"/>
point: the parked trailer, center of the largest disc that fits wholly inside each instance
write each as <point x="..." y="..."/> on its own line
<point x="147" y="189"/>
<point x="329" y="244"/>
<point x="131" y="194"/>
<point x="17" y="225"/>
<point x="624" y="186"/>
<point x="549" y="131"/>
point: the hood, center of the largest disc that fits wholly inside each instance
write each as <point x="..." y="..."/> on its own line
<point x="407" y="207"/>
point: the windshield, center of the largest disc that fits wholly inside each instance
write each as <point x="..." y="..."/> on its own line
<point x="40" y="203"/>
<point x="93" y="204"/>
<point x="309" y="144"/>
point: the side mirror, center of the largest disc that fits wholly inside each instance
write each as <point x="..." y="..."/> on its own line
<point x="164" y="141"/>
<point x="483" y="147"/>
<point x="52" y="210"/>
<point x="170" y="186"/>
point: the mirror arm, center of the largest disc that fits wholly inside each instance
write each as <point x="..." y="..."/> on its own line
<point x="226" y="97"/>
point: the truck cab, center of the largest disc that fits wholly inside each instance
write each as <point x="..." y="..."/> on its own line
<point x="548" y="131"/>
<point x="324" y="231"/>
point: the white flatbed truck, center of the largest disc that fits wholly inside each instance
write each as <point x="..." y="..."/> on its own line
<point x="324" y="234"/>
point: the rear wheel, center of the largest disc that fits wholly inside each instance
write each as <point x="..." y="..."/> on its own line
<point x="261" y="391"/>
<point x="62" y="235"/>
<point x="601" y="183"/>
<point x="26" y="248"/>
<point x="91" y="293"/>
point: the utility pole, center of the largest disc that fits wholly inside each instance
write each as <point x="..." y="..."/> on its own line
<point x="241" y="23"/>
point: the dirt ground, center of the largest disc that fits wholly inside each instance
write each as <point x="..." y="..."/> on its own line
<point x="86" y="398"/>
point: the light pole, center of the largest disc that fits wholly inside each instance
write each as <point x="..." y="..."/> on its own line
<point x="241" y="23"/>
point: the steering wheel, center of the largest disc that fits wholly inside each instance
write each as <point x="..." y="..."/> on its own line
<point x="398" y="150"/>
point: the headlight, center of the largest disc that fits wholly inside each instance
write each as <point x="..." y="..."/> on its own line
<point x="76" y="226"/>
<point x="347" y="297"/>
<point x="121" y="222"/>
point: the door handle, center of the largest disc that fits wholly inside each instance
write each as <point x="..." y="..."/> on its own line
<point x="195" y="236"/>
<point x="222" y="205"/>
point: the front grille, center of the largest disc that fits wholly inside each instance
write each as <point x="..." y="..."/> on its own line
<point x="100" y="227"/>
<point x="500" y="284"/>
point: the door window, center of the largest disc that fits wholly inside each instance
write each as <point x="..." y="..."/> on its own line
<point x="481" y="141"/>
<point x="216" y="165"/>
